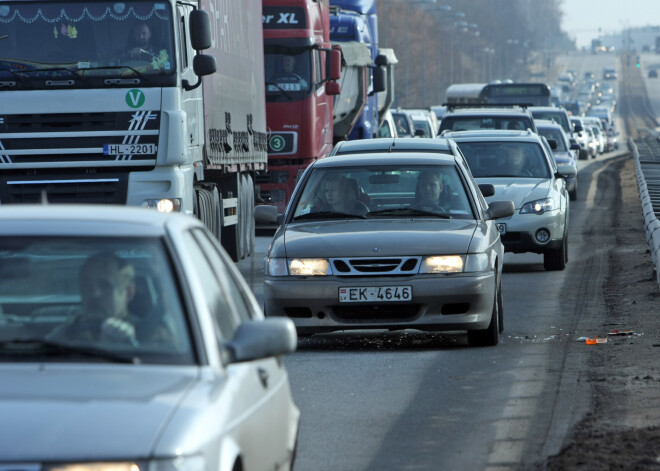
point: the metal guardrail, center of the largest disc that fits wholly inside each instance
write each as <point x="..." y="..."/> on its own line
<point x="646" y="153"/>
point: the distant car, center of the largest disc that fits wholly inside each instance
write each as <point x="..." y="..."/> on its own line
<point x="405" y="126"/>
<point x="562" y="151"/>
<point x="538" y="190"/>
<point x="484" y="118"/>
<point x="387" y="127"/>
<point x="653" y="73"/>
<point x="188" y="377"/>
<point x="399" y="265"/>
<point x="609" y="73"/>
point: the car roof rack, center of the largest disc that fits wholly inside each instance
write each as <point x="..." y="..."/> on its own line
<point x="451" y="106"/>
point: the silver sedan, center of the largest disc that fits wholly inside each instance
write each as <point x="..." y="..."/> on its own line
<point x="128" y="342"/>
<point x="409" y="243"/>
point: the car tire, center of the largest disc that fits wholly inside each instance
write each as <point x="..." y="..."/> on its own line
<point x="491" y="335"/>
<point x="572" y="195"/>
<point x="555" y="259"/>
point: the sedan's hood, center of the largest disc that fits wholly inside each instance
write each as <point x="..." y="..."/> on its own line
<point x="518" y="190"/>
<point x="53" y="412"/>
<point x="377" y="237"/>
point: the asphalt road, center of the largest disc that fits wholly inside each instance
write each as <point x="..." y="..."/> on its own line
<point x="416" y="401"/>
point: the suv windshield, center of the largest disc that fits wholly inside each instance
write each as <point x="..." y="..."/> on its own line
<point x="77" y="41"/>
<point x="505" y="159"/>
<point x="473" y="123"/>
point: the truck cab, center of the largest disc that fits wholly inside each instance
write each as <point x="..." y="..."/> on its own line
<point x="299" y="86"/>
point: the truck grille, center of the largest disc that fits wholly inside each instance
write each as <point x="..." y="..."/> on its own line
<point x="48" y="140"/>
<point x="97" y="189"/>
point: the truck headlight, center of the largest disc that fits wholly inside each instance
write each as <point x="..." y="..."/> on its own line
<point x="165" y="205"/>
<point x="538" y="206"/>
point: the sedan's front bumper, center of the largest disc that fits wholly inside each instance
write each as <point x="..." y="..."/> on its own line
<point x="439" y="302"/>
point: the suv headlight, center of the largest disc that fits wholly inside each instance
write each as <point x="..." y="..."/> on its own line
<point x="538" y="206"/>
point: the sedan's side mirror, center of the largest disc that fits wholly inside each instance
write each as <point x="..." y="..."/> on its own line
<point x="500" y="209"/>
<point x="267" y="214"/>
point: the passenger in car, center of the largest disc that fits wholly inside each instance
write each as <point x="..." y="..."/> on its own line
<point x="341" y="195"/>
<point x="429" y="192"/>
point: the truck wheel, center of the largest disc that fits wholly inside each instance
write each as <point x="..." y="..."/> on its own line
<point x="242" y="217"/>
<point x="250" y="217"/>
<point x="216" y="209"/>
<point x="230" y="235"/>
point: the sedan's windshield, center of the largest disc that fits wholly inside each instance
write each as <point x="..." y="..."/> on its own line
<point x="406" y="191"/>
<point x="72" y="40"/>
<point x="93" y="299"/>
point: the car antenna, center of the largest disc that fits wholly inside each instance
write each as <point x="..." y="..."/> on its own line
<point x="44" y="196"/>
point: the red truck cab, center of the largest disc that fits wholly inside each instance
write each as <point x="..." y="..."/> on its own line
<point x="300" y="72"/>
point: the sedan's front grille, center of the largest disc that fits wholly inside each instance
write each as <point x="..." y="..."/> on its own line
<point x="375" y="266"/>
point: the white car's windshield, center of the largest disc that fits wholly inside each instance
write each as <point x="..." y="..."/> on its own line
<point x="113" y="295"/>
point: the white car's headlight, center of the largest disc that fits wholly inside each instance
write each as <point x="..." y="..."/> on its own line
<point x="298" y="267"/>
<point x="455" y="263"/>
<point x="99" y="466"/>
<point x="538" y="206"/>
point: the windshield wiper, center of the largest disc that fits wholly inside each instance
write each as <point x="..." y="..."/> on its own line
<point x="407" y="211"/>
<point x="17" y="74"/>
<point x="284" y="92"/>
<point x="114" y="67"/>
<point x="40" y="347"/>
<point x="328" y="215"/>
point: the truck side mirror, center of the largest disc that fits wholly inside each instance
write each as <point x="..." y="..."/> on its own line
<point x="335" y="63"/>
<point x="381" y="59"/>
<point x="332" y="88"/>
<point x="204" y="65"/>
<point x="380" y="79"/>
<point x="200" y="30"/>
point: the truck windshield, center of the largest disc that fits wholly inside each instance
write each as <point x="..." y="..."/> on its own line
<point x="72" y="40"/>
<point x="288" y="73"/>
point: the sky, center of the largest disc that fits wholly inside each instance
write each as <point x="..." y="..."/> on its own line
<point x="583" y="18"/>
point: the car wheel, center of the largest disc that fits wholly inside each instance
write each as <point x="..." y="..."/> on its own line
<point x="491" y="335"/>
<point x="500" y="309"/>
<point x="572" y="195"/>
<point x="555" y="259"/>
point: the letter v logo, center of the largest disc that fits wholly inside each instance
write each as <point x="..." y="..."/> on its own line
<point x="135" y="98"/>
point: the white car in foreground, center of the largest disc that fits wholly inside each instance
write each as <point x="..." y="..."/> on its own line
<point x="130" y="342"/>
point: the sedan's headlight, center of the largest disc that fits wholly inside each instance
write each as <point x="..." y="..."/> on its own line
<point x="538" y="206"/>
<point x="454" y="263"/>
<point x="309" y="267"/>
<point x="298" y="267"/>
